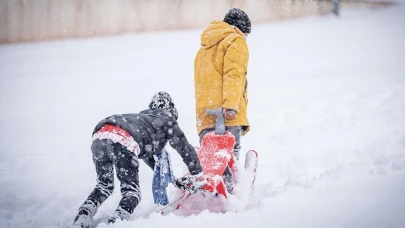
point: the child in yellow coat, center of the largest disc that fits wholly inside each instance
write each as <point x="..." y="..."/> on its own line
<point x="220" y="70"/>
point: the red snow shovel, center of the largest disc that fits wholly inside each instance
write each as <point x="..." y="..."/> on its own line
<point x="216" y="153"/>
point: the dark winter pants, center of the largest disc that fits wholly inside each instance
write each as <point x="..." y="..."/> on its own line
<point x="236" y="132"/>
<point x="106" y="156"/>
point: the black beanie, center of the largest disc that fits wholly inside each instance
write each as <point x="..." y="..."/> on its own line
<point x="162" y="100"/>
<point x="238" y="18"/>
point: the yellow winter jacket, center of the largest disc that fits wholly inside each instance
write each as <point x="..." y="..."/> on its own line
<point x="220" y="69"/>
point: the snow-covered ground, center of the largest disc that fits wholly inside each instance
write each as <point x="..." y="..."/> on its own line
<point x="326" y="104"/>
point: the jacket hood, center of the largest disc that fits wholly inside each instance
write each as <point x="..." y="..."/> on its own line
<point x="216" y="32"/>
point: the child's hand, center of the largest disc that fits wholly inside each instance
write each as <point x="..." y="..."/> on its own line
<point x="228" y="113"/>
<point x="190" y="183"/>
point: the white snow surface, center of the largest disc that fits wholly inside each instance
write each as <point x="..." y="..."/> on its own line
<point x="326" y="105"/>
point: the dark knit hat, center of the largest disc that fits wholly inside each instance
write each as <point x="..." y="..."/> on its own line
<point x="163" y="100"/>
<point x="238" y="18"/>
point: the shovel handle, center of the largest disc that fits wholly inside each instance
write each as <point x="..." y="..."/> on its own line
<point x="219" y="122"/>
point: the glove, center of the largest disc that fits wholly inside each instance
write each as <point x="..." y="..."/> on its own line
<point x="190" y="183"/>
<point x="228" y="113"/>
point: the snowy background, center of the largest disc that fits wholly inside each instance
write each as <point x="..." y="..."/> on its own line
<point x="326" y="104"/>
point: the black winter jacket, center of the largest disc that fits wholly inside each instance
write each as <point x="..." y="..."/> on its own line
<point x="152" y="129"/>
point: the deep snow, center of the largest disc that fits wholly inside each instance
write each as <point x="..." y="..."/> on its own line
<point x="326" y="105"/>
